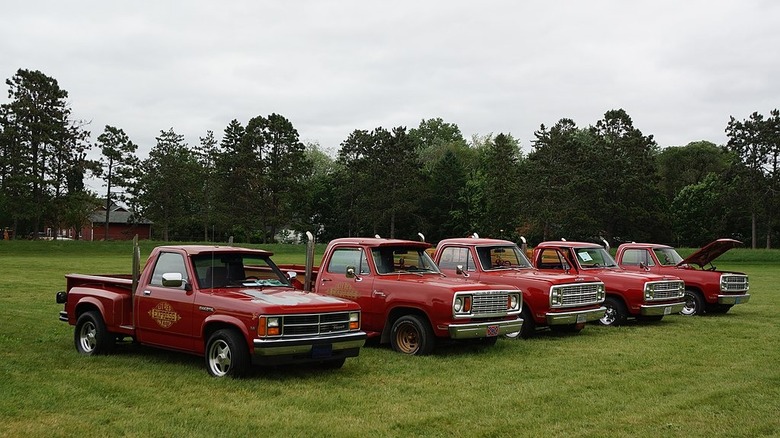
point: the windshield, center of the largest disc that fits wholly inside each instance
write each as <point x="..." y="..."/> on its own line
<point x="667" y="256"/>
<point x="596" y="257"/>
<point x="502" y="257"/>
<point x="390" y="259"/>
<point x="237" y="270"/>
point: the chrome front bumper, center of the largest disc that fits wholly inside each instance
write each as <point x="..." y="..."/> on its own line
<point x="476" y="330"/>
<point x="733" y="299"/>
<point x="308" y="348"/>
<point x="575" y="317"/>
<point x="661" y="309"/>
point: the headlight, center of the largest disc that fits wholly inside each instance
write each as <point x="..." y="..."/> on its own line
<point x="354" y="320"/>
<point x="514" y="301"/>
<point x="601" y="293"/>
<point x="556" y="297"/>
<point x="458" y="304"/>
<point x="648" y="291"/>
<point x="461" y="305"/>
<point x="274" y="326"/>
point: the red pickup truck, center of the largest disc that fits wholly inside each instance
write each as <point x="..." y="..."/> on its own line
<point x="644" y="295"/>
<point x="407" y="301"/>
<point x="707" y="290"/>
<point x="232" y="305"/>
<point x="562" y="301"/>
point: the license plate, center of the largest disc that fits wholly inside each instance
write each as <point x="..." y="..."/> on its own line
<point x="737" y="300"/>
<point x="492" y="330"/>
<point x="580" y="319"/>
<point x="321" y="351"/>
<point x="667" y="311"/>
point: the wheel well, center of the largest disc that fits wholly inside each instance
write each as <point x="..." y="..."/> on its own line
<point x="617" y="297"/>
<point x="396" y="313"/>
<point x="83" y="308"/>
<point x="214" y="326"/>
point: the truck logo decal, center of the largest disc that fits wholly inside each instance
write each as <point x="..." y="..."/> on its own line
<point x="344" y="290"/>
<point x="164" y="314"/>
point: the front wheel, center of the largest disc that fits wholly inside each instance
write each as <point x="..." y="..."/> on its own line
<point x="616" y="313"/>
<point x="91" y="336"/>
<point x="694" y="303"/>
<point x="528" y="328"/>
<point x="412" y="334"/>
<point x="227" y="354"/>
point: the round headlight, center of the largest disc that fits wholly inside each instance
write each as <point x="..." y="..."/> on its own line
<point x="458" y="304"/>
<point x="513" y="301"/>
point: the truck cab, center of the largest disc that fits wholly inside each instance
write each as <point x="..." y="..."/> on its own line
<point x="707" y="289"/>
<point x="561" y="301"/>
<point x="407" y="301"/>
<point x="642" y="295"/>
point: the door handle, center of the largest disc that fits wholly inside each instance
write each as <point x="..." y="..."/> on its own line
<point x="147" y="293"/>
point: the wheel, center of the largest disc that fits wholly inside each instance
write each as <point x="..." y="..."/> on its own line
<point x="616" y="313"/>
<point x="91" y="336"/>
<point x="227" y="354"/>
<point x="694" y="303"/>
<point x="527" y="329"/>
<point x="412" y="334"/>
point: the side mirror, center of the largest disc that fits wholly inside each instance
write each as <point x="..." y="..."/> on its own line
<point x="350" y="273"/>
<point x="172" y="279"/>
<point x="459" y="270"/>
<point x="292" y="275"/>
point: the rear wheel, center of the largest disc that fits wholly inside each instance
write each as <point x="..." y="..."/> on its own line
<point x="412" y="334"/>
<point x="616" y="313"/>
<point x="694" y="303"/>
<point x="227" y="354"/>
<point x="91" y="336"/>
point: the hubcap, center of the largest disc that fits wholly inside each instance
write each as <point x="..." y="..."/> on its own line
<point x="690" y="306"/>
<point x="609" y="316"/>
<point x="408" y="339"/>
<point x="88" y="337"/>
<point x="219" y="358"/>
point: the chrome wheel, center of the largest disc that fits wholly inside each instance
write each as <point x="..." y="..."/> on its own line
<point x="220" y="358"/>
<point x="88" y="337"/>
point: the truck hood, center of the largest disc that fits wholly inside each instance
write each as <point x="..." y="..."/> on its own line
<point x="457" y="284"/>
<point x="638" y="276"/>
<point x="287" y="298"/>
<point x="554" y="278"/>
<point x="710" y="252"/>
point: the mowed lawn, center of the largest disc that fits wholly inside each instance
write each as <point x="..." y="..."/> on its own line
<point x="700" y="376"/>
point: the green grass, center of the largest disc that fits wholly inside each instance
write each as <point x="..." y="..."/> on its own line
<point x="700" y="376"/>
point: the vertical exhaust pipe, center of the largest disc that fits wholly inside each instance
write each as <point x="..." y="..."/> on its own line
<point x="309" y="262"/>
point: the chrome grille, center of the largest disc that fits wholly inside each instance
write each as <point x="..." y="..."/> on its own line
<point x="489" y="303"/>
<point x="579" y="294"/>
<point x="664" y="290"/>
<point x="734" y="283"/>
<point x="315" y="324"/>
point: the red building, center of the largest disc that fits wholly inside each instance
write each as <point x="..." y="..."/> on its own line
<point x="120" y="226"/>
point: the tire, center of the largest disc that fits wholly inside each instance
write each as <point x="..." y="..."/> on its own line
<point x="694" y="303"/>
<point x="528" y="329"/>
<point x="413" y="335"/>
<point x="91" y="336"/>
<point x="616" y="313"/>
<point x="227" y="354"/>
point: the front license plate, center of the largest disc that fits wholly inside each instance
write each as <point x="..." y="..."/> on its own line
<point x="492" y="330"/>
<point x="737" y="300"/>
<point x="667" y="311"/>
<point x="580" y="319"/>
<point x="321" y="351"/>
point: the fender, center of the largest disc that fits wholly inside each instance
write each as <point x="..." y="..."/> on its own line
<point x="221" y="321"/>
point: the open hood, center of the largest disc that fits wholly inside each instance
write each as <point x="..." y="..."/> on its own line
<point x="710" y="252"/>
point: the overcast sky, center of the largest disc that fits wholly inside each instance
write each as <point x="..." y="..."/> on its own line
<point x="679" y="68"/>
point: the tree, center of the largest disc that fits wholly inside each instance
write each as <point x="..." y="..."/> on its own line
<point x="681" y="166"/>
<point x="119" y="164"/>
<point x="169" y="184"/>
<point x="41" y="146"/>
<point x="206" y="154"/>
<point x="502" y="189"/>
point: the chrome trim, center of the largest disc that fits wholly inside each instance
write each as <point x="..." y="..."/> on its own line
<point x="733" y="299"/>
<point x="661" y="309"/>
<point x="577" y="295"/>
<point x="478" y="329"/>
<point x="566" y="318"/>
<point x="730" y="283"/>
<point x="279" y="347"/>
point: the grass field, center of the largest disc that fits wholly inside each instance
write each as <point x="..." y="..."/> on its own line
<point x="700" y="376"/>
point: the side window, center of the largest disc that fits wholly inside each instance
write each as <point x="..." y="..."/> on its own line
<point x="550" y="259"/>
<point x="168" y="262"/>
<point x="452" y="257"/>
<point x="344" y="257"/>
<point x="634" y="257"/>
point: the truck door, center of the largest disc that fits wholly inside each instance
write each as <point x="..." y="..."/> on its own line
<point x="637" y="259"/>
<point x="333" y="280"/>
<point x="454" y="256"/>
<point x="164" y="313"/>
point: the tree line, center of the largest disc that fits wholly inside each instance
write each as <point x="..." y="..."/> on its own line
<point x="258" y="182"/>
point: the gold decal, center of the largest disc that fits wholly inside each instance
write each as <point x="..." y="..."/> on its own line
<point x="344" y="290"/>
<point x="164" y="314"/>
